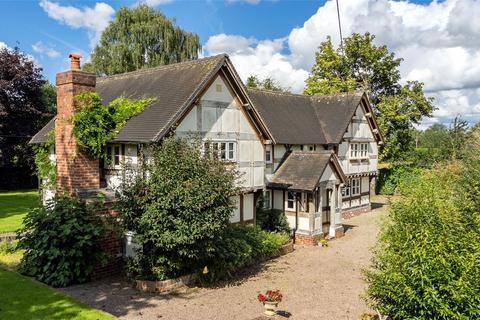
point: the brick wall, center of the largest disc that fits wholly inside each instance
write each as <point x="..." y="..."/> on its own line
<point x="75" y="171"/>
<point x="111" y="244"/>
<point x="305" y="240"/>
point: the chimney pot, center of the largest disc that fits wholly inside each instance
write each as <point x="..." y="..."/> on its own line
<point x="74" y="61"/>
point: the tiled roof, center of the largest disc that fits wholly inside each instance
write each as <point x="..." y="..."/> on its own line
<point x="174" y="87"/>
<point x="303" y="170"/>
<point x="299" y="119"/>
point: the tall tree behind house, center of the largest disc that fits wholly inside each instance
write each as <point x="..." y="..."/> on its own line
<point x="141" y="37"/>
<point x="362" y="65"/>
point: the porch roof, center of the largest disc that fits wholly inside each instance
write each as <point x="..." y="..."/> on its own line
<point x="303" y="170"/>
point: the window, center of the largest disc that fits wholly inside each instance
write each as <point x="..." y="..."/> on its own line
<point x="113" y="156"/>
<point x="291" y="200"/>
<point x="358" y="150"/>
<point x="346" y="191"/>
<point x="301" y="147"/>
<point x="311" y="148"/>
<point x="355" y="186"/>
<point x="225" y="151"/>
<point x="268" y="156"/>
<point x="267" y="199"/>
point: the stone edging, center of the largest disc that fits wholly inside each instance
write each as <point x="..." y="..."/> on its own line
<point x="172" y="285"/>
<point x="8" y="236"/>
<point x="165" y="286"/>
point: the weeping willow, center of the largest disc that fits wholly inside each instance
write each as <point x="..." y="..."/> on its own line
<point x="141" y="37"/>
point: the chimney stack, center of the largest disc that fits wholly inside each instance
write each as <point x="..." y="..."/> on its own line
<point x="75" y="170"/>
<point x="74" y="61"/>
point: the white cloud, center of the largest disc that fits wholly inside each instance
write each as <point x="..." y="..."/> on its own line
<point x="439" y="43"/>
<point x="154" y="3"/>
<point x="42" y="48"/>
<point x="94" y="19"/>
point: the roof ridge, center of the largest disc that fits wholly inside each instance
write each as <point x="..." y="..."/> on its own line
<point x="161" y="67"/>
<point x="283" y="93"/>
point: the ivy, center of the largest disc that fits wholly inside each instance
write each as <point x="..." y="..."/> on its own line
<point x="45" y="167"/>
<point x="96" y="124"/>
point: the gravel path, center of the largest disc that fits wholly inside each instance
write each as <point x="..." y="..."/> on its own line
<point x="317" y="283"/>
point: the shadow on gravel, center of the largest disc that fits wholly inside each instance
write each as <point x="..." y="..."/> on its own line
<point x="377" y="205"/>
<point x="348" y="227"/>
<point x="117" y="296"/>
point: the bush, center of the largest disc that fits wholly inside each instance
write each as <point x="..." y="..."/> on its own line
<point x="427" y="261"/>
<point x="178" y="213"/>
<point x="272" y="220"/>
<point x="61" y="242"/>
<point x="240" y="246"/>
<point x="8" y="247"/>
<point x="391" y="180"/>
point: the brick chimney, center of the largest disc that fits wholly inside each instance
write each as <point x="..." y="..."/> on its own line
<point x="75" y="171"/>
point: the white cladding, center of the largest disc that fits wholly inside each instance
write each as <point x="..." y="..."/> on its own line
<point x="218" y="117"/>
<point x="359" y="132"/>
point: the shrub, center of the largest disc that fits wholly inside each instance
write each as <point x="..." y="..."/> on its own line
<point x="272" y="220"/>
<point x="8" y="247"/>
<point x="427" y="261"/>
<point x="178" y="213"/>
<point x="392" y="180"/>
<point x="240" y="246"/>
<point x="61" y="242"/>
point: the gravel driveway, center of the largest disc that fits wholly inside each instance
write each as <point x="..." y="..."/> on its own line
<point x="317" y="283"/>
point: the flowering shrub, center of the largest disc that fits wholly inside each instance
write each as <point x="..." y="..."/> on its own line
<point x="270" y="296"/>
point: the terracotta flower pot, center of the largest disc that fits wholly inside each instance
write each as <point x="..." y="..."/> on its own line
<point x="270" y="307"/>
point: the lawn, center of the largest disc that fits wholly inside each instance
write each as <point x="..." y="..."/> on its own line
<point x="14" y="206"/>
<point x="22" y="298"/>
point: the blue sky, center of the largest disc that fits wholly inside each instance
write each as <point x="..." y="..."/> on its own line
<point x="268" y="19"/>
<point x="276" y="38"/>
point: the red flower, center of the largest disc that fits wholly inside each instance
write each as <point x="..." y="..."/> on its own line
<point x="261" y="298"/>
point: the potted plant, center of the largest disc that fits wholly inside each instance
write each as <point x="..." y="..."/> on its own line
<point x="270" y="301"/>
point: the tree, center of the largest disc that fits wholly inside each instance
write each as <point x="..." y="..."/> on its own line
<point x="180" y="210"/>
<point x="22" y="113"/>
<point x="265" y="84"/>
<point x="49" y="97"/>
<point x="141" y="37"/>
<point x="362" y="65"/>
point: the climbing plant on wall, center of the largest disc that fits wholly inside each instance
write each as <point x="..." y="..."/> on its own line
<point x="96" y="124"/>
<point x="45" y="166"/>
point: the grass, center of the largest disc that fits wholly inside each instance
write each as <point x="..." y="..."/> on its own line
<point x="13" y="208"/>
<point x="22" y="298"/>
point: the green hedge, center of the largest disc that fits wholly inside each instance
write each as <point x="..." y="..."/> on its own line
<point x="391" y="180"/>
<point x="241" y="246"/>
<point x="427" y="261"/>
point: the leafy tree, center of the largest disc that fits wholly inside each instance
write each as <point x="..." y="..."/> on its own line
<point x="22" y="110"/>
<point x="265" y="84"/>
<point x="49" y="97"/>
<point x="141" y="37"/>
<point x="362" y="65"/>
<point x="179" y="211"/>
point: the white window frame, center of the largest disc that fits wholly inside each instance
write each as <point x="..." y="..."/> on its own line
<point x="225" y="150"/>
<point x="345" y="191"/>
<point x="290" y="200"/>
<point x="268" y="155"/>
<point x="359" y="150"/>
<point x="267" y="200"/>
<point x="111" y="162"/>
<point x="355" y="186"/>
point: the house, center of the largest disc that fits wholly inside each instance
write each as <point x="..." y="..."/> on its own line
<point x="322" y="160"/>
<point x="293" y="150"/>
